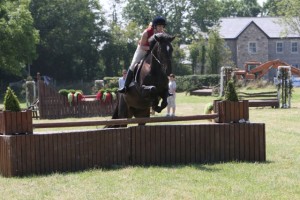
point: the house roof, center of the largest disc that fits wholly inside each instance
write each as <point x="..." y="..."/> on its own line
<point x="231" y="28"/>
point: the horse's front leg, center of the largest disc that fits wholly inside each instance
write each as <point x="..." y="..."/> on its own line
<point x="164" y="101"/>
<point x="155" y="106"/>
<point x="163" y="104"/>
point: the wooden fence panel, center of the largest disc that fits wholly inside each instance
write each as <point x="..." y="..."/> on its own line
<point x="142" y="145"/>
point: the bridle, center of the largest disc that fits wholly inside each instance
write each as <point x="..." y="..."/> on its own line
<point x="164" y="67"/>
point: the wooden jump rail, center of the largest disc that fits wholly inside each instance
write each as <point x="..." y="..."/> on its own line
<point x="124" y="121"/>
<point x="76" y="150"/>
<point x="261" y="99"/>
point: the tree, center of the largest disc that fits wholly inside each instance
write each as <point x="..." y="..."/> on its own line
<point x="270" y="8"/>
<point x="198" y="55"/>
<point x="71" y="33"/>
<point x="290" y="10"/>
<point x="18" y="38"/>
<point x="217" y="54"/>
<point x="203" y="14"/>
<point x="143" y="12"/>
<point x="119" y="49"/>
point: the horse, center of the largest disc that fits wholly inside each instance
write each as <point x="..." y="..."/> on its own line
<point x="150" y="84"/>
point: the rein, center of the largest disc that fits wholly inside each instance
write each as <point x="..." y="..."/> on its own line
<point x="163" y="67"/>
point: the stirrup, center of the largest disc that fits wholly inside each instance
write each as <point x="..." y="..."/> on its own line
<point x="170" y="94"/>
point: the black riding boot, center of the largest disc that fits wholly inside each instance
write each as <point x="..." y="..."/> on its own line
<point x="128" y="80"/>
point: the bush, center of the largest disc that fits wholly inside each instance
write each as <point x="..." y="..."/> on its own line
<point x="193" y="82"/>
<point x="230" y="92"/>
<point x="11" y="101"/>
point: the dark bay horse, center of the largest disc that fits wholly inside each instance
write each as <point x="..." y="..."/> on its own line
<point x="151" y="81"/>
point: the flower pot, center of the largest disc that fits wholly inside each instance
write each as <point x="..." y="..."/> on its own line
<point x="16" y="122"/>
<point x="232" y="112"/>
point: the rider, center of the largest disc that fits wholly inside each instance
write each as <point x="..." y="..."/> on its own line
<point x="157" y="26"/>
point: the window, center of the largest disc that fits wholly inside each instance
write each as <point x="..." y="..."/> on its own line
<point x="294" y="46"/>
<point x="279" y="47"/>
<point x="252" y="47"/>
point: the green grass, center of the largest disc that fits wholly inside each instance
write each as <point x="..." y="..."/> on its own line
<point x="278" y="178"/>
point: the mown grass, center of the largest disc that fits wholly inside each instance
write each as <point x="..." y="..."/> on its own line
<point x="278" y="178"/>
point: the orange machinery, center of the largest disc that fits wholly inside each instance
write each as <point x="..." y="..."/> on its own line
<point x="255" y="70"/>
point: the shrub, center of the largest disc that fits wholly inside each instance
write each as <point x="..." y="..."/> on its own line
<point x="230" y="92"/>
<point x="11" y="101"/>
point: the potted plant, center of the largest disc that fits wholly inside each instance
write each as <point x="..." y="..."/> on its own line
<point x="231" y="110"/>
<point x="13" y="120"/>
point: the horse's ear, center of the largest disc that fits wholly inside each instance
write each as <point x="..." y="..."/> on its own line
<point x="172" y="38"/>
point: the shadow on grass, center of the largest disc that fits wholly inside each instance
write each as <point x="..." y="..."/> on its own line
<point x="207" y="167"/>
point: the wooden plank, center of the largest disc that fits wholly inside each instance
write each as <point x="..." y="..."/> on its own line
<point x="102" y="149"/>
<point x="247" y="143"/>
<point x="153" y="145"/>
<point x="187" y="131"/>
<point x="262" y="143"/>
<point x="61" y="151"/>
<point x="217" y="143"/>
<point x="203" y="144"/>
<point x="168" y="145"/>
<point x="110" y="148"/>
<point x="173" y="147"/>
<point x="231" y="142"/>
<point x="212" y="141"/>
<point x="162" y="145"/>
<point x="207" y="143"/>
<point x="142" y="132"/>
<point x="19" y="170"/>
<point x="14" y="128"/>
<point x="67" y="156"/>
<point x="227" y="142"/>
<point x="133" y="146"/>
<point x="55" y="152"/>
<point x="178" y="145"/>
<point x="8" y="122"/>
<point x="242" y="142"/>
<point x="182" y="144"/>
<point x="138" y="144"/>
<point x="197" y="144"/>
<point x="193" y="143"/>
<point x="251" y="143"/>
<point x="256" y="141"/>
<point x="32" y="151"/>
<point x="13" y="155"/>
<point x="222" y="142"/>
<point x="148" y="146"/>
<point x="236" y="141"/>
<point x="93" y="138"/>
<point x="118" y="148"/>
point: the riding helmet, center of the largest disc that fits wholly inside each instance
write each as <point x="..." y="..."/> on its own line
<point x="159" y="21"/>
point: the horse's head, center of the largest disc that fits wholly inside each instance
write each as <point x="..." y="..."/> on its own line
<point x="162" y="51"/>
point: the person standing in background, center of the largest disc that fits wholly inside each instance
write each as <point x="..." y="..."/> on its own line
<point x="171" y="99"/>
<point x="122" y="79"/>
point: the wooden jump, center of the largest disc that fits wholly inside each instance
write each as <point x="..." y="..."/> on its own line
<point x="261" y="99"/>
<point x="124" y="121"/>
<point x="22" y="155"/>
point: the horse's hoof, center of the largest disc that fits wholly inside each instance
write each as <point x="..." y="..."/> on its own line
<point x="158" y="110"/>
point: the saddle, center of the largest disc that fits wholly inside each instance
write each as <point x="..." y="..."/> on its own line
<point x="144" y="91"/>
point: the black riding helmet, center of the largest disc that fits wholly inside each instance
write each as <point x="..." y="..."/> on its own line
<point x="159" y="21"/>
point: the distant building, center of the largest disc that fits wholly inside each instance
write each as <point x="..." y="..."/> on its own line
<point x="260" y="39"/>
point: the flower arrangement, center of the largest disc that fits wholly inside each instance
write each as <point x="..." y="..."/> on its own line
<point x="107" y="95"/>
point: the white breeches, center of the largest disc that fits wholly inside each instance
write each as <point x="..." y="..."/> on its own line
<point x="138" y="56"/>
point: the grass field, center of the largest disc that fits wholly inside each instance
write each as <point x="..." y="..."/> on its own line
<point x="278" y="178"/>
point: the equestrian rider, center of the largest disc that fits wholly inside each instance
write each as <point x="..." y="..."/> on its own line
<point x="157" y="26"/>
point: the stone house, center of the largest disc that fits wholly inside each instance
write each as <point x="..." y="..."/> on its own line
<point x="260" y="39"/>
